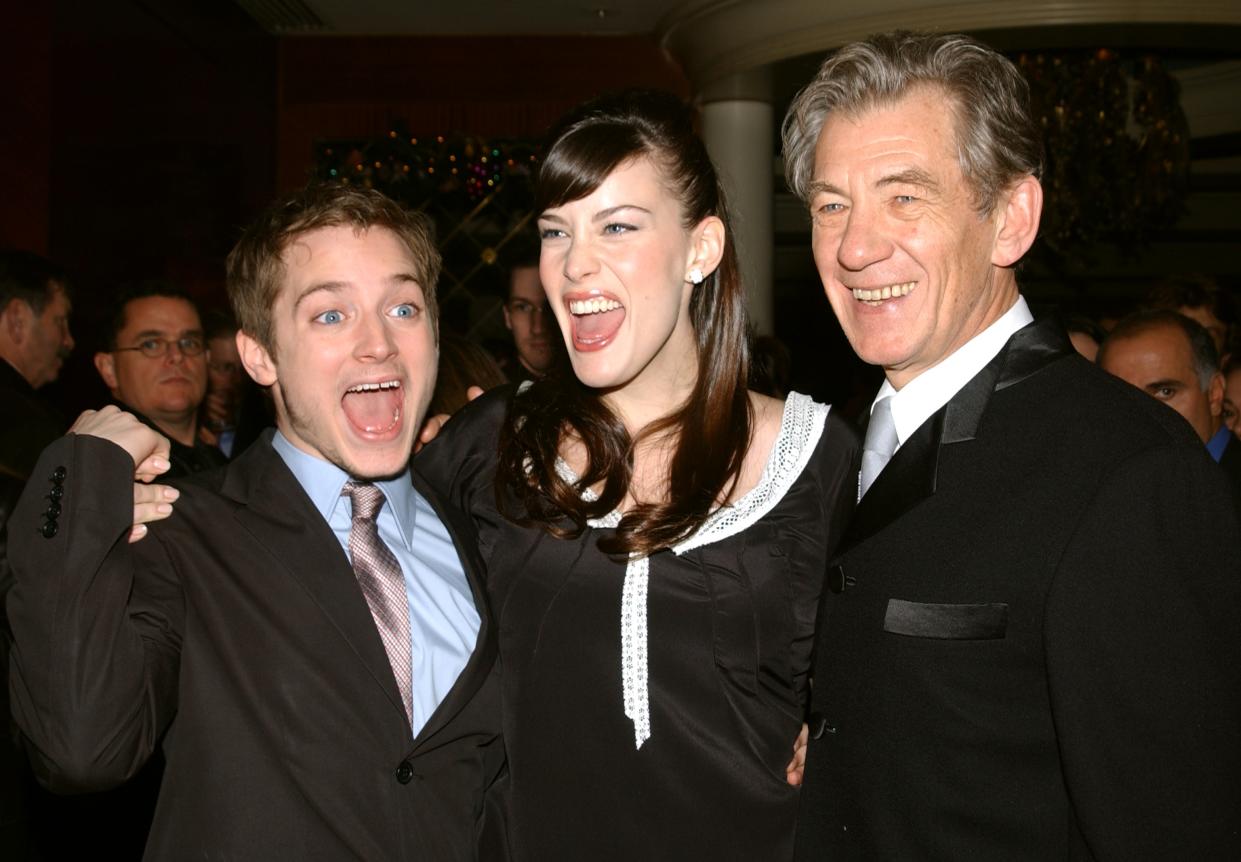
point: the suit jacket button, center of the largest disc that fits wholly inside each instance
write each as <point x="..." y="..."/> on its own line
<point x="53" y="511"/>
<point x="59" y="474"/>
<point x="836" y="579"/>
<point x="56" y="493"/>
<point x="819" y="726"/>
<point x="405" y="772"/>
<point x="49" y="528"/>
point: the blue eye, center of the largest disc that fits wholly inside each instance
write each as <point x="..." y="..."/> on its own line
<point x="617" y="228"/>
<point x="330" y="317"/>
<point x="551" y="233"/>
<point x="405" y="309"/>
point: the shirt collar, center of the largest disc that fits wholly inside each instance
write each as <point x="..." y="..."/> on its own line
<point x="918" y="399"/>
<point x="323" y="481"/>
<point x="1219" y="442"/>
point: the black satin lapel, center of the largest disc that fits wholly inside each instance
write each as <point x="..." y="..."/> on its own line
<point x="908" y="479"/>
<point x="474" y="674"/>
<point x="281" y="517"/>
<point x="1031" y="349"/>
<point x="911" y="474"/>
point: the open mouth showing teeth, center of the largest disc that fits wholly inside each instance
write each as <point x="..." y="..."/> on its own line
<point x="593" y="306"/>
<point x="595" y="322"/>
<point x="374" y="408"/>
<point x="891" y="291"/>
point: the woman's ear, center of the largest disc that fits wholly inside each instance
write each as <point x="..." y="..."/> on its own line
<point x="256" y="359"/>
<point x="708" y="247"/>
<point x="1019" y="211"/>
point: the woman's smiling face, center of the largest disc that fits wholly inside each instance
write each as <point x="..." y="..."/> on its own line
<point x="615" y="265"/>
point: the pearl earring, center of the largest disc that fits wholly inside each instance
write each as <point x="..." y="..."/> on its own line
<point x="695" y="276"/>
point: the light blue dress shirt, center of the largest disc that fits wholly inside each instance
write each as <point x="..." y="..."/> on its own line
<point x="1217" y="444"/>
<point x="443" y="622"/>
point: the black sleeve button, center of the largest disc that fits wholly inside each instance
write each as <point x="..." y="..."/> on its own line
<point x="59" y="474"/>
<point x="405" y="772"/>
<point x="53" y="511"/>
<point x="56" y="493"/>
<point x="49" y="529"/>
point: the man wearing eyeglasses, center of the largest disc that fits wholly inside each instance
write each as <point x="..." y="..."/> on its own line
<point x="156" y="368"/>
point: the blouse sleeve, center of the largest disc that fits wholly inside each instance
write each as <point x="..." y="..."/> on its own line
<point x="460" y="463"/>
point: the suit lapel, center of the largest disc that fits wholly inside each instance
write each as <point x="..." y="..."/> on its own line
<point x="278" y="514"/>
<point x="475" y="672"/>
<point x="912" y="474"/>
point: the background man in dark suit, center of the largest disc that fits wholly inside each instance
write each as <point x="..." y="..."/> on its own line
<point x="34" y="343"/>
<point x="1029" y="648"/>
<point x="1173" y="359"/>
<point x="304" y="712"/>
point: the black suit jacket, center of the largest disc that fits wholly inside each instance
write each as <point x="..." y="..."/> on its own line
<point x="237" y="633"/>
<point x="1030" y="647"/>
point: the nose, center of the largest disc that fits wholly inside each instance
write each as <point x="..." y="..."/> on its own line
<point x="173" y="354"/>
<point x="863" y="241"/>
<point x="538" y="318"/>
<point x="67" y="343"/>
<point x="375" y="341"/>
<point x="580" y="261"/>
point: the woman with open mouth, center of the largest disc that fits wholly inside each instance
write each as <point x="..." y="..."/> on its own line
<point x="656" y="535"/>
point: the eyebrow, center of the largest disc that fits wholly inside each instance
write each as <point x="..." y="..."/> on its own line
<point x="161" y="333"/>
<point x="338" y="286"/>
<point x="910" y="177"/>
<point x="1168" y="383"/>
<point x="602" y="215"/>
<point x="820" y="187"/>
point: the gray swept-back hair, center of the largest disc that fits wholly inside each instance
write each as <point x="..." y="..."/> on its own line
<point x="997" y="141"/>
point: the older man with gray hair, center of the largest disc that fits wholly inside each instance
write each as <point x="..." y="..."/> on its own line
<point x="1029" y="649"/>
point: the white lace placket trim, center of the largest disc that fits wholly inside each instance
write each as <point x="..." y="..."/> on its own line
<point x="801" y="426"/>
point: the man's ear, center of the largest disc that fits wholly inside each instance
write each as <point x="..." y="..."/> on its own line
<point x="105" y="364"/>
<point x="16" y="318"/>
<point x="257" y="361"/>
<point x="1020" y="209"/>
<point x="1215" y="394"/>
<point x="709" y="239"/>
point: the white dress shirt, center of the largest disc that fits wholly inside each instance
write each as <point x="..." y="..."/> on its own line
<point x="917" y="400"/>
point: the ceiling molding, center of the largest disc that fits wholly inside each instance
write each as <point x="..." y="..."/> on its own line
<point x="716" y="38"/>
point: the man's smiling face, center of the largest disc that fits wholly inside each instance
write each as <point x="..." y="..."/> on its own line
<point x="904" y="256"/>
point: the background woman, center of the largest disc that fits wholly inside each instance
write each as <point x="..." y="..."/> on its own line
<point x="656" y="535"/>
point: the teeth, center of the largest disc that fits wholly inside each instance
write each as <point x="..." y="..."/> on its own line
<point x="592" y="306"/>
<point x="375" y="387"/>
<point x="891" y="291"/>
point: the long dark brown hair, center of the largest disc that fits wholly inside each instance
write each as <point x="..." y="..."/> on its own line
<point x="712" y="428"/>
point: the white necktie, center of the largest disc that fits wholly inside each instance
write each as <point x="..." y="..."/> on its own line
<point x="879" y="446"/>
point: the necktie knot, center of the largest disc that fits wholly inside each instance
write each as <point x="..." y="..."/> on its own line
<point x="879" y="445"/>
<point x="367" y="499"/>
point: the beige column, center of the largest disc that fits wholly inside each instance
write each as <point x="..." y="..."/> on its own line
<point x="737" y="125"/>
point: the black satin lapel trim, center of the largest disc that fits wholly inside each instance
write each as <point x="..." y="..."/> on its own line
<point x="479" y="665"/>
<point x="908" y="479"/>
<point x="283" y="519"/>
<point x="1031" y="349"/>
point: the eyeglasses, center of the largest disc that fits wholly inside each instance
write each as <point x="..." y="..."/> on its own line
<point x="157" y="348"/>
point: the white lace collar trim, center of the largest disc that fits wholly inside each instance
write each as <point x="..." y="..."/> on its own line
<point x="801" y="426"/>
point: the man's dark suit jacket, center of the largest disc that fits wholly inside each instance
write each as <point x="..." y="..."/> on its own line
<point x="248" y="648"/>
<point x="1030" y="645"/>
